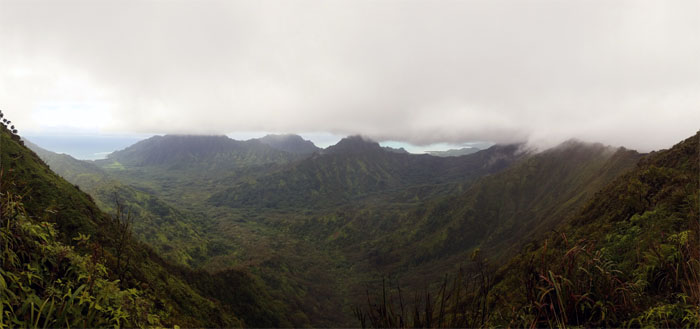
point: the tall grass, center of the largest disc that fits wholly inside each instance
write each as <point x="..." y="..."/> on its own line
<point x="459" y="302"/>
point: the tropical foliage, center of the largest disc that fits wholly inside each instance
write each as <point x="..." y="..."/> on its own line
<point x="628" y="258"/>
<point x="274" y="232"/>
<point x="45" y="283"/>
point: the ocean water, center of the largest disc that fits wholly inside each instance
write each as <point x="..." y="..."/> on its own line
<point x="96" y="146"/>
<point x="84" y="147"/>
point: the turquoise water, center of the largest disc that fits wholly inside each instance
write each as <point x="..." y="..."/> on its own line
<point x="94" y="147"/>
<point x="84" y="147"/>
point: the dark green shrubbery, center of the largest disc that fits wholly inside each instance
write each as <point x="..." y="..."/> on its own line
<point x="628" y="258"/>
<point x="45" y="283"/>
<point x="460" y="302"/>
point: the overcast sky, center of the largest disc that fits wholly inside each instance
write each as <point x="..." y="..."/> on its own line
<point x="619" y="72"/>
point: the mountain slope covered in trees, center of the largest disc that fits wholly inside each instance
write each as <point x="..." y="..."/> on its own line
<point x="580" y="234"/>
<point x="175" y="234"/>
<point x="196" y="152"/>
<point x="52" y="230"/>
<point x="419" y="241"/>
<point x="627" y="257"/>
<point x="355" y="168"/>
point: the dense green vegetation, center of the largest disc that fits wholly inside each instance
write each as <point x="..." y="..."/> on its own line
<point x="273" y="232"/>
<point x="197" y="152"/>
<point x="290" y="264"/>
<point x="175" y="234"/>
<point x="48" y="222"/>
<point x="418" y="241"/>
<point x="45" y="283"/>
<point x="355" y="169"/>
<point x="628" y="258"/>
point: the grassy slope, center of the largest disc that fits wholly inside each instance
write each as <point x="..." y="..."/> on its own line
<point x="48" y="197"/>
<point x="307" y="277"/>
<point x="527" y="199"/>
<point x="521" y="200"/>
<point x="321" y="261"/>
<point x="497" y="213"/>
<point x="336" y="178"/>
<point x="638" y="240"/>
<point x="417" y="240"/>
<point x="246" y="246"/>
<point x="175" y="234"/>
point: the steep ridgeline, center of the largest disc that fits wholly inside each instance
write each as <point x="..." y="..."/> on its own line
<point x="51" y="230"/>
<point x="354" y="145"/>
<point x="454" y="152"/>
<point x="175" y="234"/>
<point x="357" y="168"/>
<point x="202" y="153"/>
<point x="395" y="150"/>
<point x="290" y="143"/>
<point x="497" y="213"/>
<point x="628" y="258"/>
<point x="82" y="173"/>
<point x="501" y="211"/>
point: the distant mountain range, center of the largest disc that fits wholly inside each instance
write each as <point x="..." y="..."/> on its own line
<point x="56" y="237"/>
<point x="278" y="232"/>
<point x="290" y="143"/>
<point x="454" y="152"/>
<point x="196" y="152"/>
<point x="167" y="229"/>
<point x="355" y="168"/>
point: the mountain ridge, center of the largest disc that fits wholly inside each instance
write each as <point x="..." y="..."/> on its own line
<point x="454" y="152"/>
<point x="47" y="197"/>
<point x="353" y="144"/>
<point x="216" y="152"/>
<point x="634" y="243"/>
<point x="319" y="229"/>
<point x="289" y="143"/>
<point x="353" y="169"/>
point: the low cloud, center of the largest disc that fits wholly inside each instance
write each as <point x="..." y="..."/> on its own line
<point x="622" y="73"/>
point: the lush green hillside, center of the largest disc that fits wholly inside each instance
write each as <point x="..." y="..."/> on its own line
<point x="44" y="282"/>
<point x="186" y="170"/>
<point x="93" y="241"/>
<point x="196" y="152"/>
<point x="263" y="239"/>
<point x="247" y="245"/>
<point x="299" y="239"/>
<point x="498" y="213"/>
<point x="530" y="198"/>
<point x="627" y="257"/>
<point x="417" y="234"/>
<point x="175" y="234"/>
<point x="356" y="168"/>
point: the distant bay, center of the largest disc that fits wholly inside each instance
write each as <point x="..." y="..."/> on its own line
<point x="84" y="147"/>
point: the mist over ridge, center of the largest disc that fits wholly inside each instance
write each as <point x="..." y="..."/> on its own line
<point x="350" y="164"/>
<point x="417" y="72"/>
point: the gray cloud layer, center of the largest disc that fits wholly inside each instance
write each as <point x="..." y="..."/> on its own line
<point x="620" y="72"/>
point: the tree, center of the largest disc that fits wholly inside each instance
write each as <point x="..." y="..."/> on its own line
<point x="122" y="221"/>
